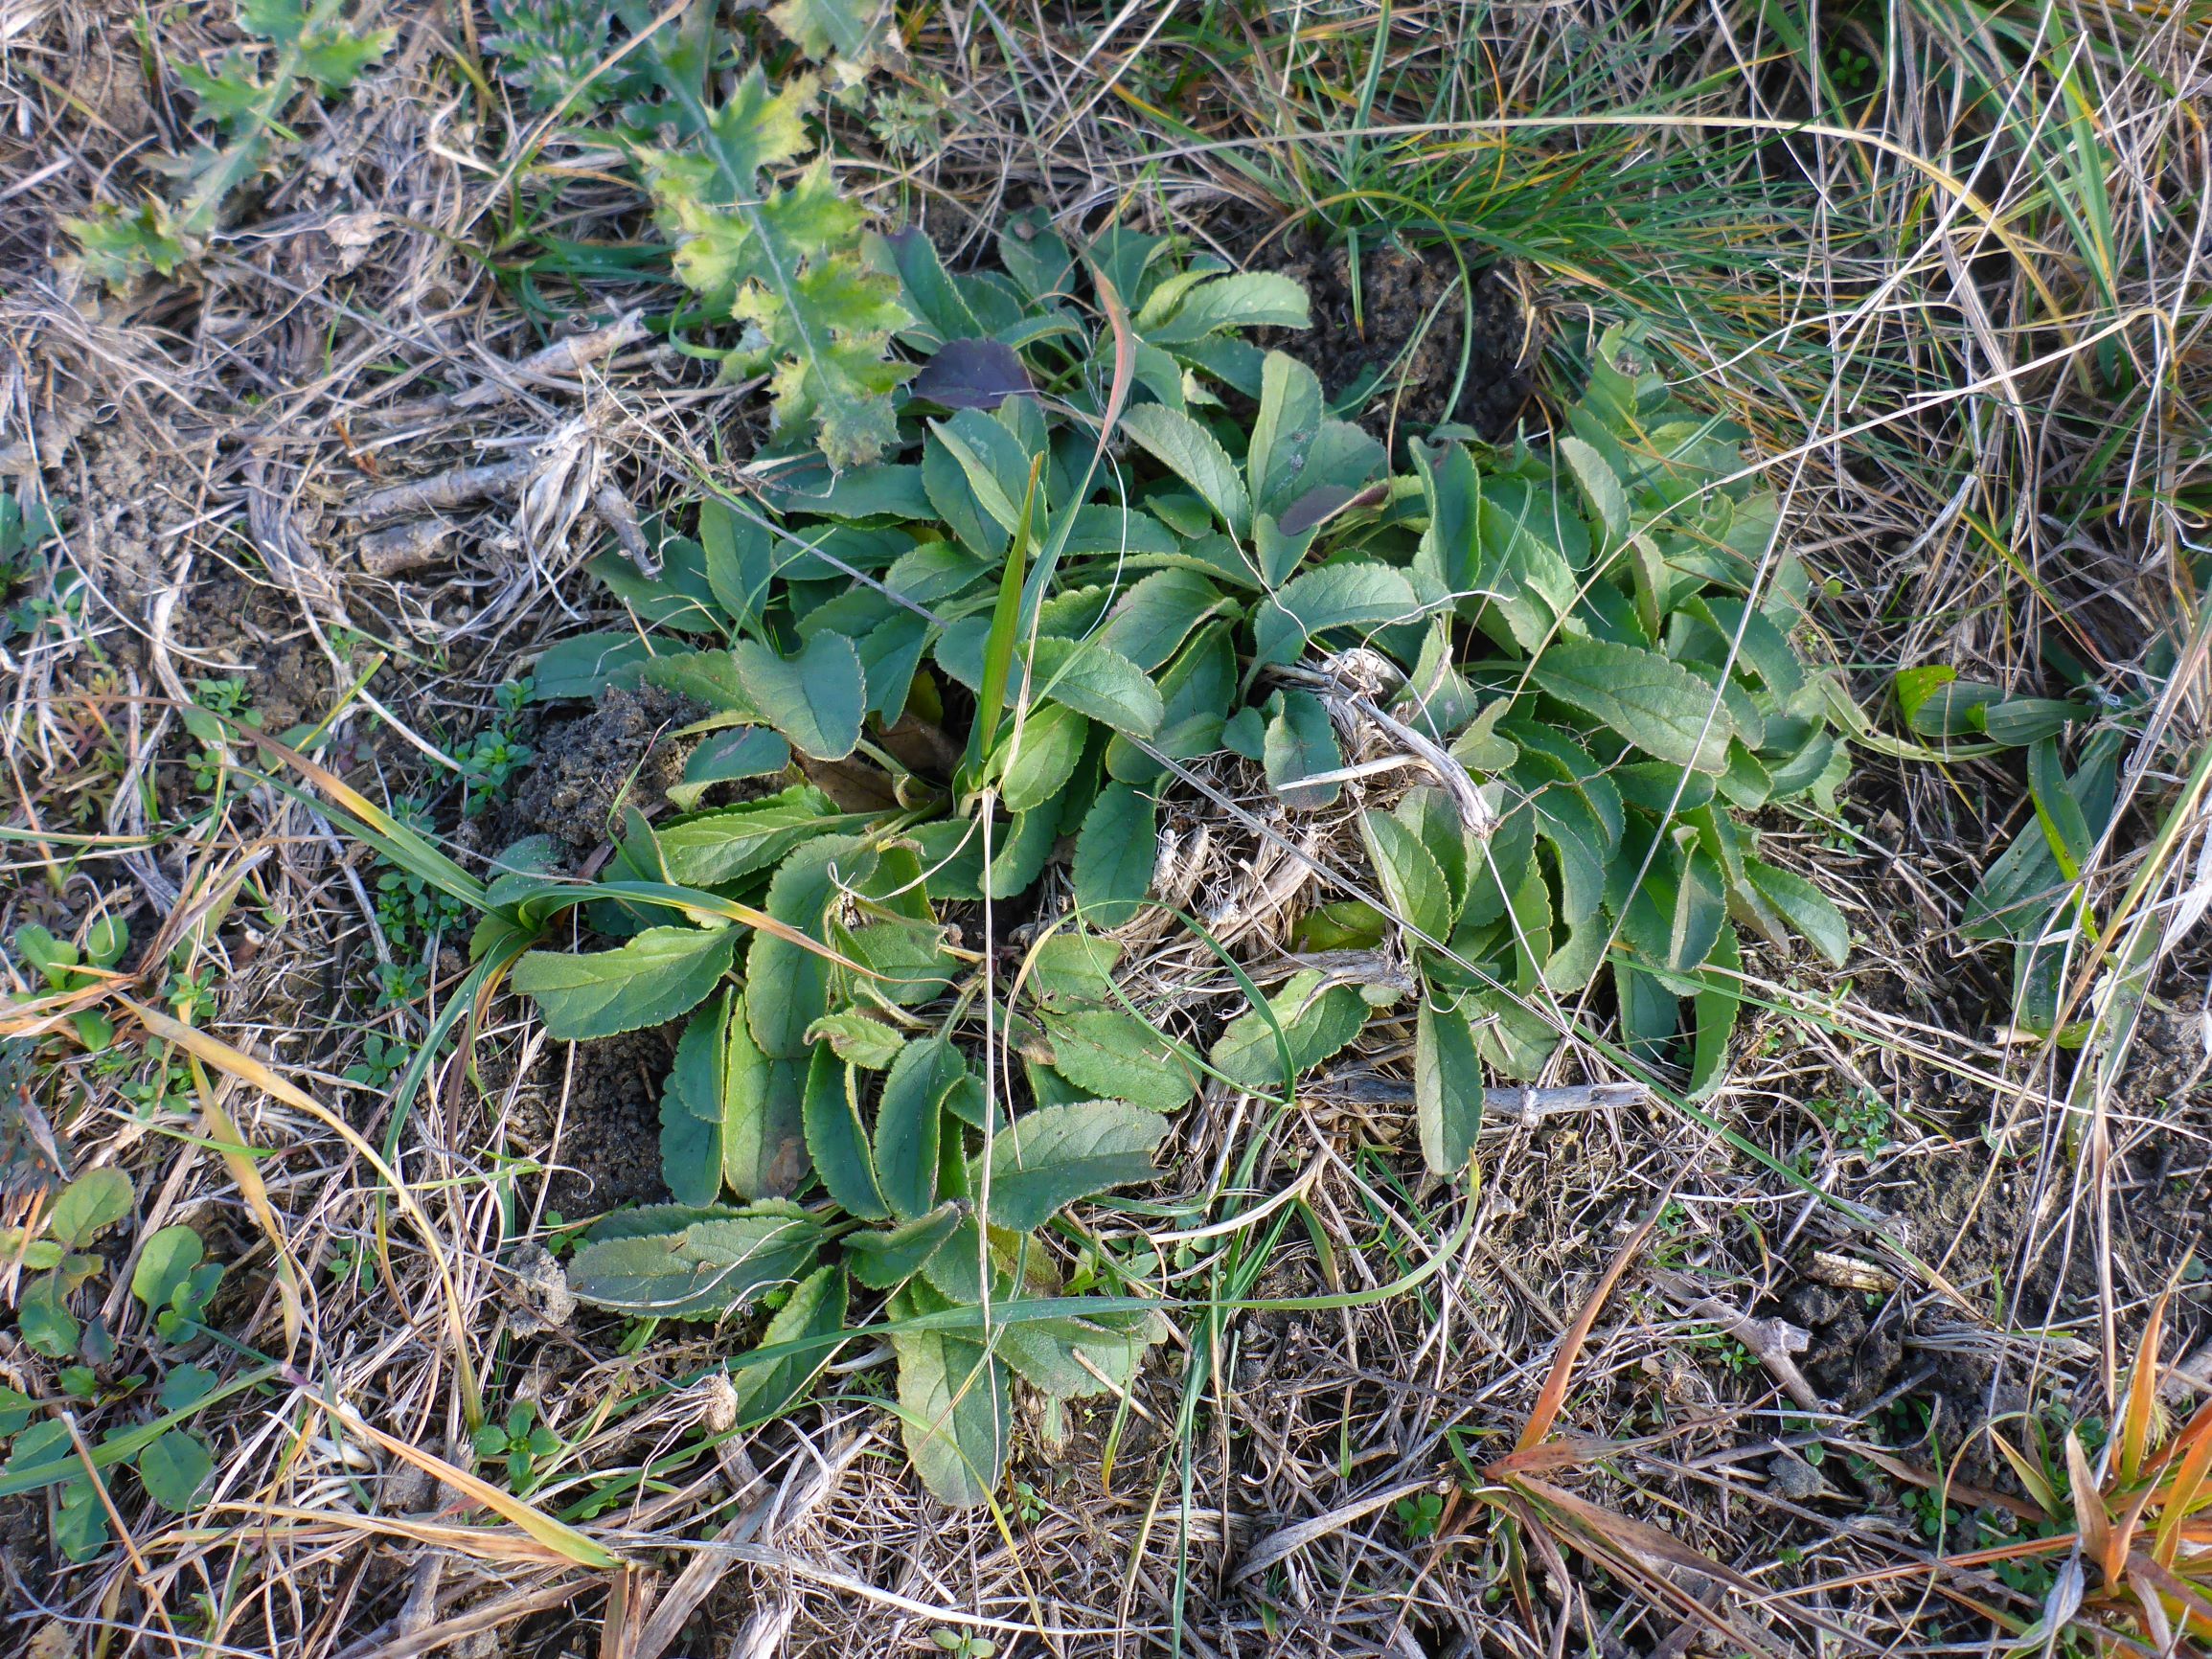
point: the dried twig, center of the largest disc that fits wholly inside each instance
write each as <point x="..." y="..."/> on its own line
<point x="1772" y="1342"/>
<point x="1350" y="682"/>
<point x="402" y="547"/>
<point x="446" y="490"/>
<point x="619" y="516"/>
<point x="552" y="367"/>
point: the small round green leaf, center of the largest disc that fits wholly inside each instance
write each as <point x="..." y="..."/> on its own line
<point x="89" y="1205"/>
<point x="173" y="1468"/>
<point x="165" y="1262"/>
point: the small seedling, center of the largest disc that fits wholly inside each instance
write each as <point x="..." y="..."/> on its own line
<point x="65" y="966"/>
<point x="174" y="1282"/>
<point x="352" y="1262"/>
<point x="219" y="707"/>
<point x="381" y="1061"/>
<point x="191" y="992"/>
<point x="522" y="1441"/>
<point x="86" y="1208"/>
<point x="152" y="1080"/>
<point x="1861" y="1122"/>
<point x="1849" y="69"/>
<point x="409" y="908"/>
<point x="400" y="985"/>
<point x="1418" y="1515"/>
<point x="495" y="754"/>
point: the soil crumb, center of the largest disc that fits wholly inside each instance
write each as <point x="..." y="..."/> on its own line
<point x="608" y="1150"/>
<point x="589" y="767"/>
<point x="234" y="624"/>
<point x="1969" y="1221"/>
<point x="1399" y="322"/>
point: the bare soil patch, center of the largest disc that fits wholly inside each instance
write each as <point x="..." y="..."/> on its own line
<point x="592" y="764"/>
<point x="1418" y="328"/>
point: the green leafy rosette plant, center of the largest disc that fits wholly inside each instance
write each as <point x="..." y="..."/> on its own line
<point x="1117" y="547"/>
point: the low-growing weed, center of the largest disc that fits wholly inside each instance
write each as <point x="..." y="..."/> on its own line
<point x="495" y="754"/>
<point x="304" y="48"/>
<point x="24" y="528"/>
<point x="1861" y="1121"/>
<point x="993" y="640"/>
<point x="1418" y="1515"/>
<point x="381" y="1061"/>
<point x="782" y="260"/>
<point x="521" y="1442"/>
<point x="173" y="1464"/>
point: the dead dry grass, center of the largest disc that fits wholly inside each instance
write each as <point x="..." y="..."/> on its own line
<point x="1933" y="388"/>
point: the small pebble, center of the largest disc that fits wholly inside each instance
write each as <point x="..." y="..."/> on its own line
<point x="1794" y="1477"/>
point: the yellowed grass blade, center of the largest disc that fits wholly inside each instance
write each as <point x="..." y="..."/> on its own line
<point x="1979" y="1497"/>
<point x="230" y="1143"/>
<point x="37" y="1015"/>
<point x="248" y="1070"/>
<point x="483" y="1543"/>
<point x="361" y="806"/>
<point x="1638" y="1541"/>
<point x="2187" y="1483"/>
<point x="558" y="1536"/>
<point x="2047" y="1498"/>
<point x="2195" y="1609"/>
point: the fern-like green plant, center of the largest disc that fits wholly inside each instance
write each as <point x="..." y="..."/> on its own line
<point x="780" y="258"/>
<point x="242" y="103"/>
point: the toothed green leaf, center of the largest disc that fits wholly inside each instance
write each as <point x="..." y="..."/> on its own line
<point x="1357" y="598"/>
<point x="1115" y="854"/>
<point x="788" y="986"/>
<point x="1111" y="1053"/>
<point x="816" y="1308"/>
<point x="817" y="699"/>
<point x="1655" y="704"/>
<point x="909" y="1119"/>
<point x="1300" y="742"/>
<point x="1309" y="1024"/>
<point x="787" y="262"/>
<point x="955" y="1407"/>
<point x="763" y="1122"/>
<point x="658" y="975"/>
<point x="1047" y="1160"/>
<point x="691" y="1108"/>
<point x="700" y="1270"/>
<point x="1448" y="1096"/>
<point x="1192" y="454"/>
<point x="856" y="30"/>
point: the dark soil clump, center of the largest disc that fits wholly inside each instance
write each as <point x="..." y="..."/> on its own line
<point x="26" y="1563"/>
<point x="1969" y="1223"/>
<point x="609" y="1146"/>
<point x="589" y="767"/>
<point x="1405" y="333"/>
<point x="231" y="624"/>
